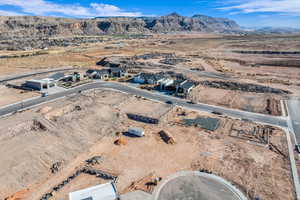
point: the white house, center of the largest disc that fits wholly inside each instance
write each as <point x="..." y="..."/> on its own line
<point x="105" y="191"/>
<point x="40" y="84"/>
<point x="165" y="83"/>
<point x="184" y="88"/>
<point x="148" y="78"/>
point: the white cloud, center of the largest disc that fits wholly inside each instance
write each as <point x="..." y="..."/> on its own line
<point x="46" y="8"/>
<point x="255" y="6"/>
<point x="111" y="10"/>
<point x="9" y="13"/>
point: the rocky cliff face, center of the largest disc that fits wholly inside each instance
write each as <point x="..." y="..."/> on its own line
<point x="197" y="23"/>
<point x="33" y="28"/>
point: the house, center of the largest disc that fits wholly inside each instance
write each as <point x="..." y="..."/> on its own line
<point x="75" y="77"/>
<point x="40" y="84"/>
<point x="166" y="84"/>
<point x="105" y="191"/>
<point x="103" y="74"/>
<point x="91" y="73"/>
<point x="98" y="74"/>
<point x="148" y="78"/>
<point x="116" y="72"/>
<point x="184" y="88"/>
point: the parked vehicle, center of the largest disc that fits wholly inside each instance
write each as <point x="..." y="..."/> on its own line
<point x="45" y="94"/>
<point x="191" y="102"/>
<point x="169" y="102"/>
<point x="216" y="113"/>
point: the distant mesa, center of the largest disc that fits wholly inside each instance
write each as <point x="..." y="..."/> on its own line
<point x="27" y="32"/>
<point x="49" y="26"/>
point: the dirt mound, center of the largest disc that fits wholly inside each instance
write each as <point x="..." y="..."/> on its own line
<point x="57" y="166"/>
<point x="121" y="141"/>
<point x="18" y="195"/>
<point x="174" y="61"/>
<point x="273" y="107"/>
<point x="148" y="56"/>
<point x="246" y="87"/>
<point x="94" y="160"/>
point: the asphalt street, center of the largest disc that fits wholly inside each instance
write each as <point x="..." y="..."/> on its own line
<point x="294" y="114"/>
<point x="195" y="185"/>
<point x="268" y="119"/>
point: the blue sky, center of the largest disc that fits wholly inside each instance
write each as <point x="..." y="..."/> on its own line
<point x="277" y="13"/>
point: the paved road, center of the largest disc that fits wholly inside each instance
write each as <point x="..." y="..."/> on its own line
<point x="293" y="108"/>
<point x="293" y="164"/>
<point x="11" y="78"/>
<point x="272" y="120"/>
<point x="294" y="115"/>
<point x="197" y="186"/>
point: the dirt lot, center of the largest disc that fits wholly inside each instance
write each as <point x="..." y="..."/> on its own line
<point x="10" y="95"/>
<point x="211" y="53"/>
<point x="79" y="127"/>
<point x="248" y="101"/>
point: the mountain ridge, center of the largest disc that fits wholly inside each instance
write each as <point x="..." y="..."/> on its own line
<point x="115" y="25"/>
<point x="25" y="32"/>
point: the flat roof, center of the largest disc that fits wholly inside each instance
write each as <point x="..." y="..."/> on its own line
<point x="105" y="191"/>
<point x="57" y="75"/>
<point x="41" y="80"/>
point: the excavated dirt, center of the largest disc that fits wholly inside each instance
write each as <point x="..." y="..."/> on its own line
<point x="248" y="101"/>
<point x="80" y="135"/>
<point x="33" y="141"/>
<point x="246" y="87"/>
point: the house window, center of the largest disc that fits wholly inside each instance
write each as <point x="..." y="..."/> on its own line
<point x="180" y="90"/>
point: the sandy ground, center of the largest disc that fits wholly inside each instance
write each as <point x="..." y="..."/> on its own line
<point x="74" y="135"/>
<point x="10" y="95"/>
<point x="79" y="127"/>
<point x="210" y="52"/>
<point x="252" y="102"/>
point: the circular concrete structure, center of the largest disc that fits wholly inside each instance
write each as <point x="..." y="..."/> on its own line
<point x="197" y="186"/>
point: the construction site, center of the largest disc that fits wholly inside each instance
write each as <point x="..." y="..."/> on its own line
<point x="82" y="141"/>
<point x="126" y="115"/>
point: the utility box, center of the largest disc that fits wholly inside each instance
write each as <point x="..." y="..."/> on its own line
<point x="136" y="131"/>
